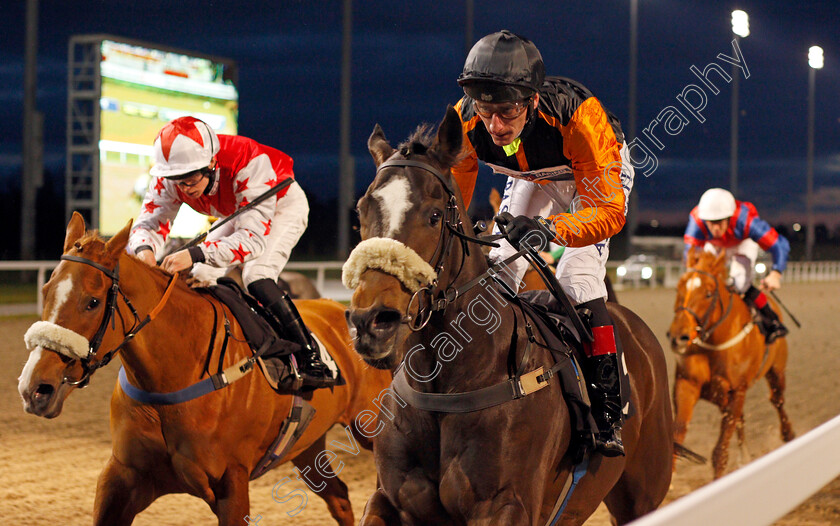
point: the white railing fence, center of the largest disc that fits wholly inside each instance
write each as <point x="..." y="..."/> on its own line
<point x="42" y="267"/>
<point x="665" y="274"/>
<point x="763" y="491"/>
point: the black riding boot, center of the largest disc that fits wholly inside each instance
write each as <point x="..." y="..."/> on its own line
<point x="771" y="325"/>
<point x="312" y="370"/>
<point x="602" y="375"/>
<point x="606" y="403"/>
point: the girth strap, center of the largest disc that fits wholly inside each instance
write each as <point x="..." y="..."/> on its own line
<point x="196" y="390"/>
<point x="498" y="394"/>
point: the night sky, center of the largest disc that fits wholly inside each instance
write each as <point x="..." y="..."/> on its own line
<point x="407" y="55"/>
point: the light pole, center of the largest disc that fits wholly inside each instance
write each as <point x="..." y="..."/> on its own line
<point x="741" y="28"/>
<point x="347" y="184"/>
<point x="815" y="61"/>
<point x="625" y="239"/>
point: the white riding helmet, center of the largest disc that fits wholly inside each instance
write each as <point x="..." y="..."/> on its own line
<point x="184" y="145"/>
<point x="716" y="204"/>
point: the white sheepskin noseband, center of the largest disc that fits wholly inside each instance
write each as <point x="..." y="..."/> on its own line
<point x="56" y="338"/>
<point x="389" y="256"/>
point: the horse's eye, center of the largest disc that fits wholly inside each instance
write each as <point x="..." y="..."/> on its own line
<point x="434" y="217"/>
<point x="92" y="304"/>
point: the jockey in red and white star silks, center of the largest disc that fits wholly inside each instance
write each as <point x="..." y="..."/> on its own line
<point x="218" y="175"/>
<point x="261" y="238"/>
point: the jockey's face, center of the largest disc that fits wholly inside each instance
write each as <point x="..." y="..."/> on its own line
<point x="502" y="128"/>
<point x="717" y="228"/>
<point x="195" y="183"/>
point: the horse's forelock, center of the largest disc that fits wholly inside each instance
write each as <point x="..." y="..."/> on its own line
<point x="418" y="142"/>
<point x="90" y="243"/>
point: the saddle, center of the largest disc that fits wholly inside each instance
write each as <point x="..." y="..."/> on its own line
<point x="559" y="333"/>
<point x="263" y="331"/>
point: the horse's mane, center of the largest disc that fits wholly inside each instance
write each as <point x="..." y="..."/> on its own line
<point x="91" y="242"/>
<point x="707" y="260"/>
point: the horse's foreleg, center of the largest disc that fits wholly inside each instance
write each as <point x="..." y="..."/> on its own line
<point x="744" y="453"/>
<point x="232" y="503"/>
<point x="776" y="381"/>
<point x="121" y="493"/>
<point x="379" y="511"/>
<point x="686" y="394"/>
<point x="731" y="415"/>
<point x="329" y="487"/>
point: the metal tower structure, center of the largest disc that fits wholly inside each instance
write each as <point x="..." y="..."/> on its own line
<point x="84" y="89"/>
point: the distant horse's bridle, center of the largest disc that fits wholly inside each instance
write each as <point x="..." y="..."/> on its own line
<point x="89" y="366"/>
<point x="704" y="330"/>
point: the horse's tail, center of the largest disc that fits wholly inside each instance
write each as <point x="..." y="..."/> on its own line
<point x="683" y="452"/>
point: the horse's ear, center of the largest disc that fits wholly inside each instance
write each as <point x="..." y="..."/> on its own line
<point x="495" y="200"/>
<point x="75" y="230"/>
<point x="450" y="136"/>
<point x="720" y="259"/>
<point x="378" y="146"/>
<point x="116" y="245"/>
<point x="691" y="257"/>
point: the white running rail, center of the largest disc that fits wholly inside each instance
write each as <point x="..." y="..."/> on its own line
<point x="42" y="267"/>
<point x="763" y="491"/>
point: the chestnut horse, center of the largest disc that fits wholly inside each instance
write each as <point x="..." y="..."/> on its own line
<point x="504" y="463"/>
<point x="720" y="353"/>
<point x="209" y="446"/>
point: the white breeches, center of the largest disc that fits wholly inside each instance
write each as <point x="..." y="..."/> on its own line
<point x="291" y="217"/>
<point x="741" y="259"/>
<point x="580" y="270"/>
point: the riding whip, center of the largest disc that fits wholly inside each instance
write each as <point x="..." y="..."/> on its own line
<point x="792" y="317"/>
<point x="265" y="195"/>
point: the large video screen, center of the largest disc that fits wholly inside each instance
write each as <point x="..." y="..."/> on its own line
<point x="143" y="89"/>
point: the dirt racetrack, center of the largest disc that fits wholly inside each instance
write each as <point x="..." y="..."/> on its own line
<point x="50" y="467"/>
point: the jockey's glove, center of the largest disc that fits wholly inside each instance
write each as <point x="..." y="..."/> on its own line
<point x="536" y="232"/>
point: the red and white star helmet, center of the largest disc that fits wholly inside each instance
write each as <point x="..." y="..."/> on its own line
<point x="184" y="145"/>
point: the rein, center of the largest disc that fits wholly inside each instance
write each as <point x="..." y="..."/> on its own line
<point x="88" y="365"/>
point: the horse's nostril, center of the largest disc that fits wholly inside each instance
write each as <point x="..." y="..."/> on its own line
<point x="385" y="319"/>
<point x="44" y="390"/>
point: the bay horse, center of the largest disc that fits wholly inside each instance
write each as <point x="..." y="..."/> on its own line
<point x="502" y="464"/>
<point x="207" y="447"/>
<point x="720" y="353"/>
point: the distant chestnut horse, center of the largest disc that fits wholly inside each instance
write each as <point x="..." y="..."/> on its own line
<point x="720" y="353"/>
<point x="209" y="446"/>
<point x="419" y="301"/>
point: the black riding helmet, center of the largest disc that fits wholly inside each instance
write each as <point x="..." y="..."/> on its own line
<point x="502" y="67"/>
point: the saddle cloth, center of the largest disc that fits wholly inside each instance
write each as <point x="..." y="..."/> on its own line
<point x="259" y="328"/>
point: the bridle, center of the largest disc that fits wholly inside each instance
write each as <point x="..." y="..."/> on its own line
<point x="429" y="301"/>
<point x="89" y="366"/>
<point x="704" y="328"/>
<point x="432" y="297"/>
